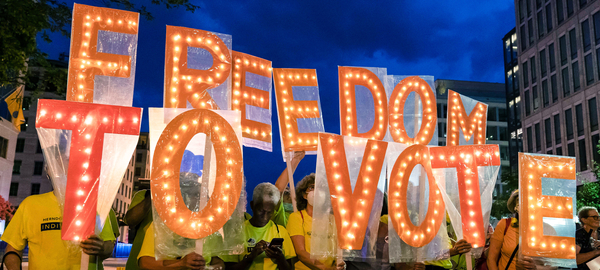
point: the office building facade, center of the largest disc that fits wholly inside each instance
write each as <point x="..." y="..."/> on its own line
<point x="513" y="97"/>
<point x="558" y="58"/>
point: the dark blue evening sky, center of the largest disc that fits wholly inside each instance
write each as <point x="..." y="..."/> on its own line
<point x="458" y="40"/>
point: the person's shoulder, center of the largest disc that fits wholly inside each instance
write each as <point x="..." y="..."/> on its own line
<point x="39" y="199"/>
<point x="294" y="216"/>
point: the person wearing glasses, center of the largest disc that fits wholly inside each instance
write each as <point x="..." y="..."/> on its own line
<point x="587" y="237"/>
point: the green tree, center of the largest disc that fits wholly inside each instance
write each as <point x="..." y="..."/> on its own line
<point x="511" y="182"/>
<point x="22" y="20"/>
<point x="588" y="194"/>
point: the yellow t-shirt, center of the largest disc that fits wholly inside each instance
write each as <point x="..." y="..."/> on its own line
<point x="267" y="233"/>
<point x="509" y="243"/>
<point x="37" y="223"/>
<point x="132" y="261"/>
<point x="297" y="226"/>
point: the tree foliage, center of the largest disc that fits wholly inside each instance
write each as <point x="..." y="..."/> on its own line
<point x="511" y="182"/>
<point x="588" y="194"/>
<point x="22" y="21"/>
<point x="6" y="209"/>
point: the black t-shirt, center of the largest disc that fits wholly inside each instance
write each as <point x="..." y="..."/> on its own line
<point x="582" y="239"/>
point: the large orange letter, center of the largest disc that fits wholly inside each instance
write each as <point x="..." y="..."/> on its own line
<point x="534" y="205"/>
<point x="350" y="78"/>
<point x="190" y="72"/>
<point x="466" y="159"/>
<point x="396" y="109"/>
<point x="89" y="59"/>
<point x="166" y="165"/>
<point x="252" y="96"/>
<point x="416" y="236"/>
<point x="298" y="108"/>
<point x="473" y="124"/>
<point x="88" y="123"/>
<point x="351" y="209"/>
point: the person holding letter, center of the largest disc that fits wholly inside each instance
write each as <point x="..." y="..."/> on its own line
<point x="37" y="223"/>
<point x="269" y="246"/>
<point x="300" y="227"/>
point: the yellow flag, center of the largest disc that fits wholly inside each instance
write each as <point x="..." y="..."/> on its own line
<point x="15" y="107"/>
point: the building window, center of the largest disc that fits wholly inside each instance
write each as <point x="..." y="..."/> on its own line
<point x="548" y="131"/>
<point x="14" y="189"/>
<point x="582" y="156"/>
<point x="582" y="3"/>
<point x="573" y="43"/>
<point x="536" y="98"/>
<point x="504" y="152"/>
<point x="540" y="23"/>
<point x="523" y="37"/>
<point x="530" y="28"/>
<point x="39" y="148"/>
<point x="3" y="146"/>
<point x="548" y="18"/>
<point x="593" y="112"/>
<point x="35" y="188"/>
<point x="597" y="27"/>
<point x="138" y="157"/>
<point x="554" y="88"/>
<point x="17" y="167"/>
<point x="502" y="115"/>
<point x="533" y="70"/>
<point x="579" y="119"/>
<point x="38" y="168"/>
<point x="24" y="125"/>
<point x="529" y="140"/>
<point x="589" y="69"/>
<point x="576" y="84"/>
<point x="492" y="114"/>
<point x="26" y="103"/>
<point x="492" y="133"/>
<point x="527" y="103"/>
<point x="560" y="14"/>
<point x="522" y="10"/>
<point x="525" y="75"/>
<point x="569" y="8"/>
<point x="596" y="148"/>
<point x="543" y="68"/>
<point x="569" y="123"/>
<point x="545" y="96"/>
<point x="138" y="171"/>
<point x="585" y="35"/>
<point x="538" y="137"/>
<point x="557" y="129"/>
<point x="563" y="49"/>
<point x="559" y="151"/>
<point x="20" y="145"/>
<point x="571" y="149"/>
<point x="565" y="82"/>
<point x="551" y="57"/>
<point x="503" y="134"/>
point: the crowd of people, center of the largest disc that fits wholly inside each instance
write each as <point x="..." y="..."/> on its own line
<point x="276" y="236"/>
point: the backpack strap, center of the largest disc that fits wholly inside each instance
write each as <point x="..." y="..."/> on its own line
<point x="507" y="224"/>
<point x="512" y="257"/>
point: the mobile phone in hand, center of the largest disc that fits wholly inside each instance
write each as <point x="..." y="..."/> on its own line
<point x="276" y="242"/>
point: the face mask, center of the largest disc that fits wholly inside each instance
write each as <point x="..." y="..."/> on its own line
<point x="310" y="197"/>
<point x="288" y="207"/>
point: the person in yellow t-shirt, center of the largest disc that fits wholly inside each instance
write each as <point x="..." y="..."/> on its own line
<point x="139" y="216"/>
<point x="192" y="261"/>
<point x="260" y="231"/>
<point x="300" y="227"/>
<point x="37" y="223"/>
